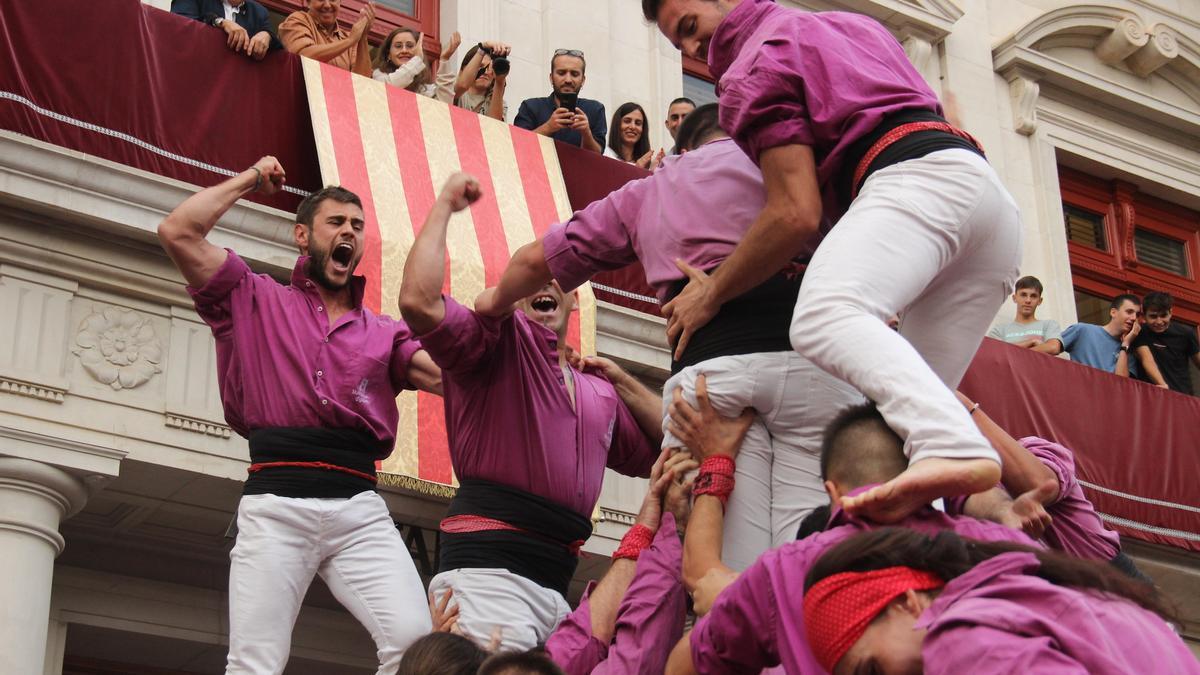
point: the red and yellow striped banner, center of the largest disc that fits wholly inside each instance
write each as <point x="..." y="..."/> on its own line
<point x="395" y="149"/>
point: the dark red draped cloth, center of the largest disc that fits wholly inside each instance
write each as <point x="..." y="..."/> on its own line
<point x="140" y="76"/>
<point x="1137" y="446"/>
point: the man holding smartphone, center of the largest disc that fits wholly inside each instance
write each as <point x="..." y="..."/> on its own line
<point x="563" y="115"/>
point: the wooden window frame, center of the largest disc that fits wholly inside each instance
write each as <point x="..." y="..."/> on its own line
<point x="1118" y="270"/>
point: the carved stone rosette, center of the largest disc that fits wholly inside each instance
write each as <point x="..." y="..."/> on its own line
<point x="118" y="347"/>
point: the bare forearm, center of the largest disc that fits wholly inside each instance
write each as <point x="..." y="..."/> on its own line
<point x="988" y="505"/>
<point x="496" y="108"/>
<point x="702" y="544"/>
<point x="645" y="405"/>
<point x="466" y="76"/>
<point x="526" y="273"/>
<point x="421" y="302"/>
<point x="766" y="248"/>
<point x="590" y="143"/>
<point x="1150" y="366"/>
<point x="605" y="599"/>
<point x="1122" y="367"/>
<point x="198" y="214"/>
<point x="1021" y="470"/>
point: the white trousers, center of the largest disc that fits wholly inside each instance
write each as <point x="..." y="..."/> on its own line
<point x="354" y="546"/>
<point x="778" y="478"/>
<point x="495" y="602"/>
<point x="937" y="240"/>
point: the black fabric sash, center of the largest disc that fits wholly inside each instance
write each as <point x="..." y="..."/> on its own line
<point x="756" y="321"/>
<point x="542" y="552"/>
<point x="352" y="449"/>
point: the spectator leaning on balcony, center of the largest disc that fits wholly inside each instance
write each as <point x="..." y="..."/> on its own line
<point x="310" y="376"/>
<point x="1026" y="330"/>
<point x="401" y="63"/>
<point x="630" y="139"/>
<point x="480" y="87"/>
<point x="315" y="33"/>
<point x="1105" y="347"/>
<point x="676" y="112"/>
<point x="1163" y="351"/>
<point x="584" y="125"/>
<point x="245" y="23"/>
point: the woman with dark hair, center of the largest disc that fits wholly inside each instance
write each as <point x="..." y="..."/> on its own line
<point x="898" y="601"/>
<point x="442" y="654"/>
<point x="629" y="140"/>
<point x="480" y="88"/>
<point x="401" y="63"/>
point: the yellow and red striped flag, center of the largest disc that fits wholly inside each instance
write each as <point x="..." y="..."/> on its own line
<point x="395" y="149"/>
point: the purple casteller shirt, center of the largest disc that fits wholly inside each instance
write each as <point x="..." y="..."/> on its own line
<point x="758" y="621"/>
<point x="999" y="618"/>
<point x="1075" y="527"/>
<point x="509" y="418"/>
<point x="821" y="79"/>
<point x="696" y="207"/>
<point x="649" y="620"/>
<point x="280" y="363"/>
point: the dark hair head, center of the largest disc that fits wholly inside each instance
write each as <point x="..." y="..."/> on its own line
<point x="814" y="522"/>
<point x="650" y="9"/>
<point x="1120" y="300"/>
<point x="948" y="555"/>
<point x="682" y="99"/>
<point x="642" y="146"/>
<point x="700" y="126"/>
<point x="1158" y="301"/>
<point x="532" y="662"/>
<point x="860" y="448"/>
<point x="383" y="63"/>
<point x="467" y="59"/>
<point x="442" y="654"/>
<point x="308" y="208"/>
<point x="1029" y="282"/>
<point x="580" y="56"/>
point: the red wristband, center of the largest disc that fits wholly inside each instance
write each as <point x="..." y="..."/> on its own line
<point x="715" y="478"/>
<point x="635" y="540"/>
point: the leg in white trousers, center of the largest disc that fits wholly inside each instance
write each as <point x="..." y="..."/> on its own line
<point x="937" y="240"/>
<point x="354" y="546"/>
<point x="777" y="480"/>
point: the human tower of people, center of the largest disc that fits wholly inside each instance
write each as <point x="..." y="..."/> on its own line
<point x="823" y="195"/>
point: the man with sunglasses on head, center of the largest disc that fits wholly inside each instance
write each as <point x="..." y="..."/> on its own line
<point x="581" y="123"/>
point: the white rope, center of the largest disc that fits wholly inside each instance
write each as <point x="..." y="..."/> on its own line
<point x="130" y="139"/>
<point x="624" y="294"/>
<point x="1136" y="498"/>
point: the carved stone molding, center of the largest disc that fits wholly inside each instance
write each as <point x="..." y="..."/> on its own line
<point x="606" y="515"/>
<point x="118" y="347"/>
<point x="1118" y="38"/>
<point x="197" y="426"/>
<point x="1023" y="89"/>
<point x="9" y="385"/>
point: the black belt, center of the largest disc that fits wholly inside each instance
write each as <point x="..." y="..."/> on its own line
<point x="311" y="462"/>
<point x="755" y="322"/>
<point x="541" y="543"/>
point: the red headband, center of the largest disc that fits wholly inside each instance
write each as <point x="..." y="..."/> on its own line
<point x="837" y="609"/>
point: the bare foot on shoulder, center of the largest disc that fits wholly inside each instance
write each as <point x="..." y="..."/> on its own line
<point x="920" y="484"/>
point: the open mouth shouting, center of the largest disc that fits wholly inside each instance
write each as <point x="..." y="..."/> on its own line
<point x="544" y="304"/>
<point x="341" y="257"/>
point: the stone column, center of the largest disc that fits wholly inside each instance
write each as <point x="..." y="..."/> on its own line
<point x="34" y="499"/>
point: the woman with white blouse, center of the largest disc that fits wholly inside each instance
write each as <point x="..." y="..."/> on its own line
<point x="401" y="63"/>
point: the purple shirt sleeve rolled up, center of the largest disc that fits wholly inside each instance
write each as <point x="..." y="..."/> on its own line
<point x="1075" y="526"/>
<point x="509" y="417"/>
<point x="281" y="363"/>
<point x="999" y="617"/>
<point x="696" y="207"/>
<point x="572" y="645"/>
<point x="650" y="620"/>
<point x="820" y="79"/>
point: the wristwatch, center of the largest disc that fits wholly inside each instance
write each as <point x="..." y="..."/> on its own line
<point x="217" y="21"/>
<point x="1124" y="348"/>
